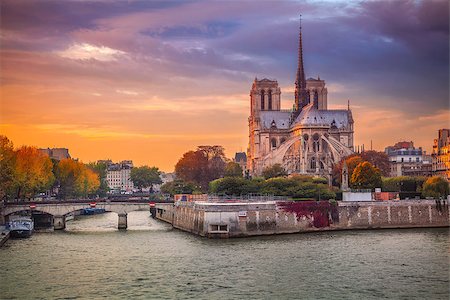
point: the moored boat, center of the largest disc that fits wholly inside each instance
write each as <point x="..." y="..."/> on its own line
<point x="21" y="227"/>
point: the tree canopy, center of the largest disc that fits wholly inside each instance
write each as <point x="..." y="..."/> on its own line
<point x="179" y="186"/>
<point x="300" y="187"/>
<point x="233" y="169"/>
<point x="7" y="163"/>
<point x="201" y="166"/>
<point x="365" y="176"/>
<point x="32" y="172"/>
<point x="145" y="176"/>
<point x="76" y="179"/>
<point x="436" y="187"/>
<point x="275" y="170"/>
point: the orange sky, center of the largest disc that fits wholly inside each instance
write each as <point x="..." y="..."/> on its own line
<point x="149" y="84"/>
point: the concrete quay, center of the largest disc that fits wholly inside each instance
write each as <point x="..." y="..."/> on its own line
<point x="241" y="219"/>
<point x="4" y="235"/>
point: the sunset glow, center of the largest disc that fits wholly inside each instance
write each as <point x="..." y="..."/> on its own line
<point x="148" y="81"/>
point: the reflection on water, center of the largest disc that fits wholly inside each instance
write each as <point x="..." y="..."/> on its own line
<point x="137" y="220"/>
<point x="85" y="262"/>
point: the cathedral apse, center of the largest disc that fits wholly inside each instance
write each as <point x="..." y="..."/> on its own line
<point x="308" y="139"/>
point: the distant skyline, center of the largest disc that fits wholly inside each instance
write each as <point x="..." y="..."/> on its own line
<point x="149" y="81"/>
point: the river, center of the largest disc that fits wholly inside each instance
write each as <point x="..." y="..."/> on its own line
<point x="92" y="260"/>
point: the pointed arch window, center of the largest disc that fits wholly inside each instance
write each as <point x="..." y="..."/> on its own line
<point x="262" y="100"/>
<point x="269" y="95"/>
<point x="273" y="143"/>
<point x="312" y="164"/>
<point x="316" y="99"/>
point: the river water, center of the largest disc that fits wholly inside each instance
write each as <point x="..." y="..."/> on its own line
<point x="92" y="260"/>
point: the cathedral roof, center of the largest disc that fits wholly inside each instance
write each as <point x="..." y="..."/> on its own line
<point x="311" y="116"/>
<point x="281" y="119"/>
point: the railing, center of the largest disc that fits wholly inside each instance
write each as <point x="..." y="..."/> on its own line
<point x="87" y="201"/>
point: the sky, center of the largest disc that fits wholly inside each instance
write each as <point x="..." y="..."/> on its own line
<point x="151" y="80"/>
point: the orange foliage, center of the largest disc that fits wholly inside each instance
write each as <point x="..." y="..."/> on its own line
<point x="32" y="172"/>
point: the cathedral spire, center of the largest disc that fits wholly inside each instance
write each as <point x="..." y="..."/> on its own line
<point x="300" y="82"/>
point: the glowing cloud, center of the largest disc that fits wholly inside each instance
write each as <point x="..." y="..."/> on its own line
<point x="86" y="51"/>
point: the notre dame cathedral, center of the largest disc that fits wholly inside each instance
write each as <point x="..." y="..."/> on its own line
<point x="309" y="139"/>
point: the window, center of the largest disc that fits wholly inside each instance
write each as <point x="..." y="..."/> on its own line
<point x="273" y="143"/>
<point x="417" y="159"/>
<point x="313" y="163"/>
<point x="316" y="99"/>
<point x="262" y="100"/>
<point x="218" y="228"/>
<point x="270" y="100"/>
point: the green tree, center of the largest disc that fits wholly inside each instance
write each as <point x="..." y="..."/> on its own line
<point x="179" y="186"/>
<point x="143" y="177"/>
<point x="7" y="165"/>
<point x="275" y="170"/>
<point x="233" y="169"/>
<point x="32" y="172"/>
<point x="365" y="176"/>
<point x="435" y="187"/>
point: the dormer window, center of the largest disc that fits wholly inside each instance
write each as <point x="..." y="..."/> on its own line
<point x="273" y="125"/>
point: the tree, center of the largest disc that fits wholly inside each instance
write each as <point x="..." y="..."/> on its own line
<point x="377" y="159"/>
<point x="201" y="166"/>
<point x="403" y="183"/>
<point x="101" y="168"/>
<point x="32" y="172"/>
<point x="7" y="164"/>
<point x="143" y="177"/>
<point x="435" y="187"/>
<point x="275" y="170"/>
<point x="365" y="176"/>
<point x="233" y="169"/>
<point x="76" y="179"/>
<point x="178" y="186"/>
<point x="352" y="161"/>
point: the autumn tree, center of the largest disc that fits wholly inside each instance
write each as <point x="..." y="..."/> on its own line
<point x="7" y="163"/>
<point x="145" y="176"/>
<point x="32" y="172"/>
<point x="365" y="176"/>
<point x="76" y="179"/>
<point x="352" y="161"/>
<point x="275" y="170"/>
<point x="201" y="166"/>
<point x="233" y="169"/>
<point x="435" y="187"/>
<point x="101" y="169"/>
<point x="377" y="159"/>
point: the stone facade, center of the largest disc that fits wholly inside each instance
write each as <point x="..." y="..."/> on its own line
<point x="309" y="139"/>
<point x="441" y="154"/>
<point x="407" y="160"/>
<point x="223" y="220"/>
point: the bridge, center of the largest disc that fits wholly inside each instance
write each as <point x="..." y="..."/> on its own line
<point x="60" y="209"/>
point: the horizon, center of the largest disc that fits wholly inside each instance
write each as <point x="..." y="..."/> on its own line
<point x="149" y="81"/>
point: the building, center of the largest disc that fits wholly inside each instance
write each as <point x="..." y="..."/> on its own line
<point x="441" y="154"/>
<point x="406" y="160"/>
<point x="308" y="139"/>
<point x="241" y="159"/>
<point x="165" y="178"/>
<point x="118" y="176"/>
<point x="56" y="153"/>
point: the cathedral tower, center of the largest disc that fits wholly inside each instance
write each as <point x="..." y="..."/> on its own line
<point x="300" y="82"/>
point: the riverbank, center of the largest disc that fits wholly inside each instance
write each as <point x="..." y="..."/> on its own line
<point x="241" y="219"/>
<point x="4" y="235"/>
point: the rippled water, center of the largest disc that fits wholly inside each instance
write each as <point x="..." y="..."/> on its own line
<point x="93" y="260"/>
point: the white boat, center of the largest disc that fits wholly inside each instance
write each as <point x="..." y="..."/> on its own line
<point x="21" y="227"/>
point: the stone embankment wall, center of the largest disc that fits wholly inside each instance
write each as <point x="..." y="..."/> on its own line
<point x="249" y="219"/>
